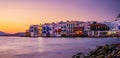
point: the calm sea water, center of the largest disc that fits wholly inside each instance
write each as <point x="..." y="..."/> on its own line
<point x="25" y="47"/>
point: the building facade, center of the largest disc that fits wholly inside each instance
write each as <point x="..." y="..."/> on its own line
<point x="76" y="28"/>
<point x="35" y="30"/>
<point x="97" y="30"/>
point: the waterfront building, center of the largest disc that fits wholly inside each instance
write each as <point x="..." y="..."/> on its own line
<point x="49" y="29"/>
<point x="46" y="29"/>
<point x="116" y="23"/>
<point x="40" y="30"/>
<point x="79" y="28"/>
<point x="116" y="27"/>
<point x="70" y="28"/>
<point x="97" y="30"/>
<point x="109" y="24"/>
<point x="59" y="29"/>
<point x="54" y="29"/>
<point x="76" y="28"/>
<point x="86" y="25"/>
<point x="87" y="28"/>
<point x="79" y="31"/>
<point x="27" y="33"/>
<point x="35" y="30"/>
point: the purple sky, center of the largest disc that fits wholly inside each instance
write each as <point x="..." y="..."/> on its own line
<point x="22" y="13"/>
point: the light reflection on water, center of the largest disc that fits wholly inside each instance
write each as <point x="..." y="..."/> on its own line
<point x="25" y="47"/>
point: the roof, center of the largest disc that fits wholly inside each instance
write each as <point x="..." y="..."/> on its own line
<point x="98" y="24"/>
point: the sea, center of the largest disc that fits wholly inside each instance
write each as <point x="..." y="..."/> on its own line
<point x="49" y="47"/>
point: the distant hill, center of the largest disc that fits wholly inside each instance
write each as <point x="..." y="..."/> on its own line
<point x="7" y="34"/>
<point x="3" y="33"/>
<point x="20" y="34"/>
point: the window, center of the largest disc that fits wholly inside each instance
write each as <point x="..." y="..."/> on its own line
<point x="119" y="27"/>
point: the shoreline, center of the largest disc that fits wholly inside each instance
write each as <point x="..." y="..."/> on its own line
<point x="62" y="37"/>
<point x="70" y="37"/>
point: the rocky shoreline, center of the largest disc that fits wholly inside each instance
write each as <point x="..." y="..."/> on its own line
<point x="106" y="51"/>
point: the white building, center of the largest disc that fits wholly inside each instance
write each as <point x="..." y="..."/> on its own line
<point x="109" y="24"/>
<point x="35" y="30"/>
<point x="115" y="31"/>
<point x="116" y="24"/>
<point x="48" y="29"/>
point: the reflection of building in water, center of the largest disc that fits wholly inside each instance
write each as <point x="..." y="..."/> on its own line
<point x="40" y="45"/>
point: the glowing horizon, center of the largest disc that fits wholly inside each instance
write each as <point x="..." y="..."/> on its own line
<point x="18" y="15"/>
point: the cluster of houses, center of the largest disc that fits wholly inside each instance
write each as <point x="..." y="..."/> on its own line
<point x="76" y="29"/>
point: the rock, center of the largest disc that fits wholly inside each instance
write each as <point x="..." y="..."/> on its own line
<point x="107" y="51"/>
<point x="109" y="56"/>
<point x="100" y="56"/>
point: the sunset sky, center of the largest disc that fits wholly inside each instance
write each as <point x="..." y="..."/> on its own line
<point x="18" y="15"/>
